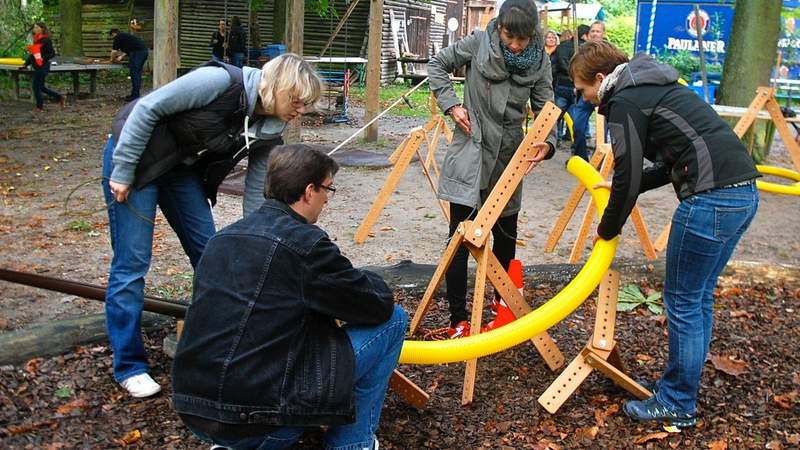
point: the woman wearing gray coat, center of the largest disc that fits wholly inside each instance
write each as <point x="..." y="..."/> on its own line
<point x="506" y="67"/>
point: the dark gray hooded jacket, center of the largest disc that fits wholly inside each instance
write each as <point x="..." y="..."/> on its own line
<point x="650" y="116"/>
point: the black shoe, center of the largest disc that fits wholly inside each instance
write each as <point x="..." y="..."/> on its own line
<point x="652" y="410"/>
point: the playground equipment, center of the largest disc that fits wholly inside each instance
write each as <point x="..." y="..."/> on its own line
<point x="775" y="188"/>
<point x="474" y="235"/>
<point x="401" y="158"/>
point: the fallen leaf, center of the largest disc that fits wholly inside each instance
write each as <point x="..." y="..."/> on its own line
<point x="521" y="243"/>
<point x="650" y="437"/>
<point x="129" y="438"/>
<point x="729" y="365"/>
<point x="32" y="366"/>
<point x="22" y="429"/>
<point x="75" y="404"/>
<point x="643" y="358"/>
<point x="587" y="433"/>
<point x="528" y="235"/>
<point x="718" y="445"/>
<point x="386" y="228"/>
<point x="741" y="313"/>
<point x="793" y="439"/>
<point x="785" y="401"/>
<point x="774" y="445"/>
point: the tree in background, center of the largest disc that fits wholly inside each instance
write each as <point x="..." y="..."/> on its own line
<point x="751" y="53"/>
<point x="15" y="23"/>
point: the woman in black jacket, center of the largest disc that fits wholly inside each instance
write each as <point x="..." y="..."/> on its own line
<point x="39" y="60"/>
<point x="650" y="116"/>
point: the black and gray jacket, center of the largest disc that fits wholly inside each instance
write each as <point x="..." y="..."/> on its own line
<point x="650" y="116"/>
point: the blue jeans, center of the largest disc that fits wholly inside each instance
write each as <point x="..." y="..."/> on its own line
<point x="565" y="98"/>
<point x="237" y="59"/>
<point x="136" y="67"/>
<point x="376" y="349"/>
<point x="705" y="230"/>
<point x="37" y="84"/>
<point x="580" y="113"/>
<point x="179" y="194"/>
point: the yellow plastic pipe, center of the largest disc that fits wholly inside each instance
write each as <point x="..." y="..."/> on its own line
<point x="775" y="188"/>
<point x="539" y="320"/>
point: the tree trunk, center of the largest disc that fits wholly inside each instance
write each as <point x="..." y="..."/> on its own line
<point x="279" y="22"/>
<point x="165" y="42"/>
<point x="71" y="39"/>
<point x="751" y="52"/>
<point x="295" y="13"/>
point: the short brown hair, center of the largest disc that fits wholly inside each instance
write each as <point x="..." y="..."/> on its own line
<point x="293" y="167"/>
<point x="595" y="57"/>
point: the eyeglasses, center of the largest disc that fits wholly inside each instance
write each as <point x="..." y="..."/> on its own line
<point x="299" y="103"/>
<point x="331" y="190"/>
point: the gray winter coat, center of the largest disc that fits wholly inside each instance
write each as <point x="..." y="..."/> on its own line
<point x="496" y="101"/>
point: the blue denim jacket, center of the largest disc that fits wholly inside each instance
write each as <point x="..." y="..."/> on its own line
<point x="260" y="343"/>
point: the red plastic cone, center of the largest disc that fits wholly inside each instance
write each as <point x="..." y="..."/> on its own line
<point x="504" y="314"/>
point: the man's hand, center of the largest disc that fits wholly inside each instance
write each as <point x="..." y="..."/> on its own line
<point x="460" y="116"/>
<point x="119" y="191"/>
<point x="541" y="149"/>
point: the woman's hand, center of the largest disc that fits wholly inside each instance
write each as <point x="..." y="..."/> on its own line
<point x="460" y="116"/>
<point x="119" y="191"/>
<point x="540" y="149"/>
<point x="602" y="185"/>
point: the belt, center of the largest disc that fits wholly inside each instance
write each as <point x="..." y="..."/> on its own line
<point x="739" y="184"/>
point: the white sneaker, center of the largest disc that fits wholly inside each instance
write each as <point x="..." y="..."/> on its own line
<point x="141" y="385"/>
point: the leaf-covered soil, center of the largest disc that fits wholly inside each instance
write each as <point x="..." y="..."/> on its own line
<point x="52" y="223"/>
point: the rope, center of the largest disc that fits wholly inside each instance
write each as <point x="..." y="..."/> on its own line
<point x="653" y="5"/>
<point x="67" y="211"/>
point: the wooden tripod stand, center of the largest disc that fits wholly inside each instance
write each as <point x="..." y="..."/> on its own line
<point x="603" y="159"/>
<point x="401" y="158"/>
<point x="601" y="353"/>
<point x="475" y="235"/>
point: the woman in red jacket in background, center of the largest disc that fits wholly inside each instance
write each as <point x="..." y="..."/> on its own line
<point x="39" y="60"/>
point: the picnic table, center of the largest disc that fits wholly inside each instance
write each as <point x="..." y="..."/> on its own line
<point x="73" y="68"/>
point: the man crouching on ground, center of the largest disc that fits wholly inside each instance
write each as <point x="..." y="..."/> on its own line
<point x="261" y="356"/>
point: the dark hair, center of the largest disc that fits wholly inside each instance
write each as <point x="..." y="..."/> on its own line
<point x="293" y="167"/>
<point x="235" y="22"/>
<point x="42" y="26"/>
<point x="595" y="57"/>
<point x="519" y="18"/>
<point x="583" y="30"/>
<point x="113" y="31"/>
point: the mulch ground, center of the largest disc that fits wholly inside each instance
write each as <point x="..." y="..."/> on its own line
<point x="749" y="396"/>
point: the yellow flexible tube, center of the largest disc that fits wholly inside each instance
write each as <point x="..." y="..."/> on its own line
<point x="539" y="320"/>
<point x="775" y="188"/>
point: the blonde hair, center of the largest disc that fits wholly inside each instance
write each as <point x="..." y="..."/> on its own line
<point x="286" y="74"/>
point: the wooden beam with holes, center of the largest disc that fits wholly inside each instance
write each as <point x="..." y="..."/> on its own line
<point x="489" y="268"/>
<point x="408" y="391"/>
<point x="601" y="353"/>
<point x="407" y="150"/>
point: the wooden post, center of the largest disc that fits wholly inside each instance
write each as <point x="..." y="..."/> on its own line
<point x="294" y="44"/>
<point x="374" y="67"/>
<point x="165" y="42"/>
<point x="69" y="12"/>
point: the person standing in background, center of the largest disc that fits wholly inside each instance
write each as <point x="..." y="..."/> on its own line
<point x="219" y="43"/>
<point x="39" y="60"/>
<point x="237" y="42"/>
<point x="128" y="44"/>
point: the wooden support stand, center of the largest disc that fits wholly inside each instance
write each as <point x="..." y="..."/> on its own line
<point x="601" y="353"/>
<point x="401" y="158"/>
<point x="764" y="99"/>
<point x="474" y="236"/>
<point x="603" y="159"/>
